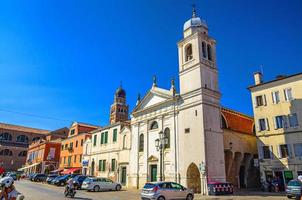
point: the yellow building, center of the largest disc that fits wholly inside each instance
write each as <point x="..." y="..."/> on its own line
<point x="277" y="106"/>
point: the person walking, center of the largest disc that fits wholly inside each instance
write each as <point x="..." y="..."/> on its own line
<point x="8" y="190"/>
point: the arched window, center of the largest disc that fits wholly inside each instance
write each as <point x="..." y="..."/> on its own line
<point x="210" y="52"/>
<point x="22" y="154"/>
<point x="223" y="122"/>
<point x="204" y="50"/>
<point x="35" y="139"/>
<point x="167" y="135"/>
<point x="5" y="137"/>
<point x="22" y="138"/>
<point x="188" y="52"/>
<point x="154" y="125"/>
<point x="141" y="143"/>
<point x="124" y="142"/>
<point x="6" y="152"/>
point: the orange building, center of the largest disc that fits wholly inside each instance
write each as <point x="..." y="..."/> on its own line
<point x="44" y="154"/>
<point x="72" y="147"/>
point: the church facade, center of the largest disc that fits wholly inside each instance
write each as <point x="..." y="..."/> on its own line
<point x="190" y="120"/>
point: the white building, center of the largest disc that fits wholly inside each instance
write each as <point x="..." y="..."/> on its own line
<point x="191" y="119"/>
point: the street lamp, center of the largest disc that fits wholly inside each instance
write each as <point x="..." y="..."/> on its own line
<point x="160" y="146"/>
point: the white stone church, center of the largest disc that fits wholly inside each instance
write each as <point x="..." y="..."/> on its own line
<point x="190" y="119"/>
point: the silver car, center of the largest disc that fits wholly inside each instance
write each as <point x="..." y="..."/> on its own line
<point x="97" y="184"/>
<point x="166" y="191"/>
<point x="293" y="189"/>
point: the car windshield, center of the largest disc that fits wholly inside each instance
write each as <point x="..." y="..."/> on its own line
<point x="63" y="177"/>
<point x="88" y="179"/>
<point x="149" y="186"/>
<point x="294" y="183"/>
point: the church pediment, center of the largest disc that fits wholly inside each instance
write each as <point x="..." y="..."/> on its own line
<point x="152" y="159"/>
<point x="154" y="97"/>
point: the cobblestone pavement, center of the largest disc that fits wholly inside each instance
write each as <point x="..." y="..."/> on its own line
<point x="40" y="191"/>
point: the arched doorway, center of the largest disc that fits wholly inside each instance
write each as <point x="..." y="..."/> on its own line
<point x="193" y="178"/>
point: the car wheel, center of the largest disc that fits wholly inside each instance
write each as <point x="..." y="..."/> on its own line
<point x="62" y="184"/>
<point x="189" y="197"/>
<point x="289" y="196"/>
<point x="118" y="187"/>
<point x="96" y="188"/>
<point x="161" y="198"/>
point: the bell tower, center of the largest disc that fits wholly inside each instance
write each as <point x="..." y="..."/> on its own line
<point x="197" y="57"/>
<point x="200" y="133"/>
<point x="119" y="109"/>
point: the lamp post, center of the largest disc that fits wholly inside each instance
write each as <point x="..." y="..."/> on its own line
<point x="160" y="146"/>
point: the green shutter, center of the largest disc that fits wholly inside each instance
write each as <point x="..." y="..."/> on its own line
<point x="106" y="137"/>
<point x="114" y="135"/>
<point x="100" y="165"/>
<point x="94" y="140"/>
<point x="102" y="138"/>
<point x="104" y="165"/>
<point x="113" y="164"/>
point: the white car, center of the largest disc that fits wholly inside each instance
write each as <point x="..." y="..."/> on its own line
<point x="97" y="184"/>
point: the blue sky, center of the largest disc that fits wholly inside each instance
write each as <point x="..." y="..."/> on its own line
<point x="62" y="61"/>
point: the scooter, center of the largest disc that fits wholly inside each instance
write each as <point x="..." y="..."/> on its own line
<point x="69" y="192"/>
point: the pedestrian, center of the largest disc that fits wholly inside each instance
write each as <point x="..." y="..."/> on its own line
<point x="8" y="190"/>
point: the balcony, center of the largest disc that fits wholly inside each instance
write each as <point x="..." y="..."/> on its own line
<point x="13" y="144"/>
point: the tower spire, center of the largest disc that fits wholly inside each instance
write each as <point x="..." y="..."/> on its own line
<point x="154" y="81"/>
<point x="193" y="11"/>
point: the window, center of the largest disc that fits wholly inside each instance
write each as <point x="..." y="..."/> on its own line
<point x="75" y="158"/>
<point x="104" y="138"/>
<point x="94" y="140"/>
<point x="204" y="51"/>
<point x="113" y="162"/>
<point x="187" y="130"/>
<point x="284" y="151"/>
<point x="69" y="160"/>
<point x="154" y="125"/>
<point x="72" y="132"/>
<point x="80" y="157"/>
<point x="280" y="122"/>
<point x="124" y="141"/>
<point x="71" y="145"/>
<point x="82" y="141"/>
<point x="266" y="152"/>
<point x="6" y="152"/>
<point x="22" y="138"/>
<point x="210" y="53"/>
<point x="5" y="137"/>
<point x="293" y="120"/>
<point x="260" y="100"/>
<point x="141" y="143"/>
<point x="188" y="52"/>
<point x="263" y="124"/>
<point x="288" y="94"/>
<point x="76" y="144"/>
<point x="66" y="146"/>
<point x="102" y="165"/>
<point x="167" y="135"/>
<point x="22" y="154"/>
<point x="35" y="139"/>
<point x="114" y="135"/>
<point x="276" y="97"/>
<point x="298" y="149"/>
<point x="64" y="160"/>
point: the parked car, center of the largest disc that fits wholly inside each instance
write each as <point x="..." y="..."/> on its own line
<point x="97" y="184"/>
<point x="166" y="191"/>
<point x="61" y="180"/>
<point x="31" y="176"/>
<point x="78" y="181"/>
<point x="293" y="188"/>
<point x="50" y="177"/>
<point x="13" y="175"/>
<point x="39" y="178"/>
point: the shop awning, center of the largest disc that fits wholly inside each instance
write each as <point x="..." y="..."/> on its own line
<point x="57" y="170"/>
<point x="29" y="166"/>
<point x="71" y="170"/>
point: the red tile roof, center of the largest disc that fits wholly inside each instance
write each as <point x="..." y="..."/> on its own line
<point x="237" y="121"/>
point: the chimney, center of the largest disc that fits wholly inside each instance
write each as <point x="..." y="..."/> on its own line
<point x="258" y="78"/>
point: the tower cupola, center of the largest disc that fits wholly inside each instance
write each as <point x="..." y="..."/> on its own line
<point x="195" y="24"/>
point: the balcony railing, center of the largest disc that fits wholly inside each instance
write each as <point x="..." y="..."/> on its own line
<point x="13" y="144"/>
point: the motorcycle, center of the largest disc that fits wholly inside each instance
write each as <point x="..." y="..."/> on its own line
<point x="69" y="192"/>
